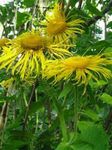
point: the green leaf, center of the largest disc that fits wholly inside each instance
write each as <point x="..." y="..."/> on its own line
<point x="91" y="114"/>
<point x="106" y="98"/>
<point x="29" y="3"/>
<point x="36" y="106"/>
<point x="98" y="84"/>
<point x="109" y="25"/>
<point x="82" y="146"/>
<point x="92" y="135"/>
<point x="3" y="14"/>
<point x="108" y="52"/>
<point x="22" y="18"/>
<point x="73" y="2"/>
<point x="14" y="145"/>
<point x="7" y="98"/>
<point x="92" y="8"/>
<point x="64" y="146"/>
<point x="66" y="89"/>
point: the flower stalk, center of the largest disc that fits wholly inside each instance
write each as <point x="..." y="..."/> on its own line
<point x="63" y="126"/>
<point x="75" y="108"/>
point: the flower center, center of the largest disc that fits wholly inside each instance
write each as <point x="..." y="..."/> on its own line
<point x="77" y="63"/>
<point x="33" y="42"/>
<point x="81" y="63"/>
<point x="56" y="27"/>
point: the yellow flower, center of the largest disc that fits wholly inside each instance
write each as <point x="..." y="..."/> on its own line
<point x="59" y="27"/>
<point x="3" y="42"/>
<point x="81" y="68"/>
<point x="26" y="53"/>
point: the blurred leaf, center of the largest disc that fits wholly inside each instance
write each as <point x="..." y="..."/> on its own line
<point x="7" y="30"/>
<point x="108" y="50"/>
<point x="64" y="146"/>
<point x="91" y="114"/>
<point x="98" y="47"/>
<point x="14" y="144"/>
<point x="35" y="106"/>
<point x="82" y="146"/>
<point x="29" y="3"/>
<point x="91" y="135"/>
<point x="66" y="89"/>
<point x="73" y="2"/>
<point x="98" y="84"/>
<point x="7" y="98"/>
<point x="3" y="14"/>
<point x="109" y="25"/>
<point x="106" y="98"/>
<point x="22" y="18"/>
<point x="92" y="8"/>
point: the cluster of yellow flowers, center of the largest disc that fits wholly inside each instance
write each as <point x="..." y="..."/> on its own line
<point x="46" y="52"/>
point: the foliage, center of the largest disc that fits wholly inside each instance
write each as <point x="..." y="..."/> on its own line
<point x="41" y="115"/>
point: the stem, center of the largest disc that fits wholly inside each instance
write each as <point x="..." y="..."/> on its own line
<point x="48" y="108"/>
<point x="80" y="4"/>
<point x="63" y="126"/>
<point x="75" y="109"/>
<point x="67" y="6"/>
<point x="33" y="13"/>
<point x="29" y="103"/>
<point x="15" y="17"/>
<point x="105" y="28"/>
<point x="62" y="121"/>
<point x="4" y="115"/>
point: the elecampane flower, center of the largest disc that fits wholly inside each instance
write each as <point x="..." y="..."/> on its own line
<point x="59" y="27"/>
<point x="27" y="52"/>
<point x="81" y="68"/>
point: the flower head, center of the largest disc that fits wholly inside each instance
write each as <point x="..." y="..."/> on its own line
<point x="59" y="27"/>
<point x="27" y="53"/>
<point x="81" y="68"/>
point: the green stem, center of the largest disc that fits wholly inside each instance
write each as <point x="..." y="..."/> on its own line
<point x="75" y="109"/>
<point x="63" y="126"/>
<point x="62" y="121"/>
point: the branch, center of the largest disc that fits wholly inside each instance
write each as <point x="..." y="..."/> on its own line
<point x="95" y="18"/>
<point x="48" y="107"/>
<point x="67" y="6"/>
<point x="15" y="16"/>
<point x="3" y="115"/>
<point x="32" y="96"/>
<point x="80" y="4"/>
<point x="3" y="121"/>
<point x="33" y="14"/>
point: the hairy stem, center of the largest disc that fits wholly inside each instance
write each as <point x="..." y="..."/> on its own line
<point x="3" y="120"/>
<point x="28" y="107"/>
<point x="33" y="13"/>
<point x="75" y="109"/>
<point x="62" y="121"/>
